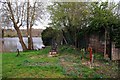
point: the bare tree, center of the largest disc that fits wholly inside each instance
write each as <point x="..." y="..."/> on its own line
<point x="21" y="14"/>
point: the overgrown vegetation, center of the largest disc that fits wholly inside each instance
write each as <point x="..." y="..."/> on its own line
<point x="49" y="35"/>
<point x="68" y="64"/>
<point x="76" y="22"/>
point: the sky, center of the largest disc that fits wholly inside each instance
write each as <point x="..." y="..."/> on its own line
<point x="40" y="25"/>
<point x="44" y="23"/>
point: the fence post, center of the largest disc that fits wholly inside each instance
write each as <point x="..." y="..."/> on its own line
<point x="18" y="53"/>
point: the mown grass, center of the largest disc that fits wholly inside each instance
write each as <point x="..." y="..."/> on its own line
<point x="68" y="64"/>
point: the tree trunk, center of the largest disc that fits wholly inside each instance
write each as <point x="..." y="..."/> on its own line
<point x="64" y="37"/>
<point x="110" y="43"/>
<point x="30" y="41"/>
<point x="2" y="40"/>
<point x="21" y="39"/>
<point x="75" y="39"/>
<point x="28" y="27"/>
<point x="17" y="28"/>
<point x="105" y="45"/>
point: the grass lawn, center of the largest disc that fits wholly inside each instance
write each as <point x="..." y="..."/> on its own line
<point x="68" y="64"/>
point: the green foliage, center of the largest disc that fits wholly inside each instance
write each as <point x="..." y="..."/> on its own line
<point x="48" y="35"/>
<point x="101" y="15"/>
<point x="67" y="14"/>
<point x="78" y="20"/>
<point x="105" y="19"/>
<point x="71" y="18"/>
<point x="116" y="33"/>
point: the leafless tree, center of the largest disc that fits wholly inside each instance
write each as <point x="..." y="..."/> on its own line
<point x="21" y="14"/>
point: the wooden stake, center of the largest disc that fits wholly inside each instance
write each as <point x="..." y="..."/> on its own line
<point x="18" y="53"/>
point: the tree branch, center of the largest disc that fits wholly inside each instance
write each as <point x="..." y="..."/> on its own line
<point x="33" y="16"/>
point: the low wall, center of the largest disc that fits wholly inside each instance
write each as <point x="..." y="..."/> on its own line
<point x="115" y="52"/>
<point x="98" y="46"/>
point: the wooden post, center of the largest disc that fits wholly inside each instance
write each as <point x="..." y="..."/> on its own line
<point x="91" y="56"/>
<point x="18" y="53"/>
<point x="92" y="60"/>
<point x="83" y="52"/>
